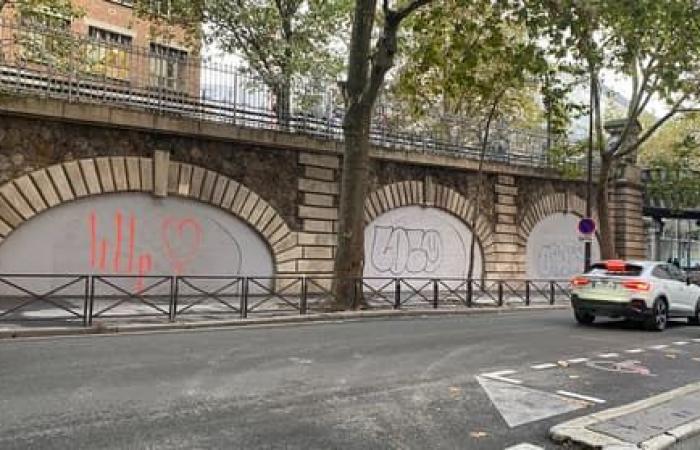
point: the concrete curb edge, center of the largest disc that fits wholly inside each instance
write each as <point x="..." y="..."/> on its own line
<point x="576" y="430"/>
<point x="279" y="320"/>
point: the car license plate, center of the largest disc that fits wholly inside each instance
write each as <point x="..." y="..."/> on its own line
<point x="604" y="284"/>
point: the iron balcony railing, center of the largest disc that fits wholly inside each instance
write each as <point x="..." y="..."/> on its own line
<point x="83" y="299"/>
<point x="59" y="63"/>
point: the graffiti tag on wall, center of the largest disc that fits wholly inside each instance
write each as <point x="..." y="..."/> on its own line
<point x="401" y="250"/>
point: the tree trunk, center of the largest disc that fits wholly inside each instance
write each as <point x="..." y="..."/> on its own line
<point x="283" y="99"/>
<point x="606" y="232"/>
<point x="349" y="257"/>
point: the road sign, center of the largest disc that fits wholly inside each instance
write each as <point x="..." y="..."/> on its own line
<point x="586" y="227"/>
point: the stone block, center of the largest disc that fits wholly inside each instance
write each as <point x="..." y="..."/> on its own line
<point x="506" y="190"/>
<point x="219" y="190"/>
<point x="239" y="200"/>
<point x="161" y="175"/>
<point x="43" y="183"/>
<point x="319" y="173"/>
<point x="505" y="199"/>
<point x="197" y="181"/>
<point x="257" y="212"/>
<point x="275" y="224"/>
<point x="10" y="192"/>
<point x="92" y="180"/>
<point x="320" y="187"/>
<point x="293" y="253"/>
<point x="29" y="191"/>
<point x="287" y="267"/>
<point x="104" y="171"/>
<point x="208" y="186"/>
<point x="279" y="234"/>
<point x="5" y="229"/>
<point x="173" y="177"/>
<point x="508" y="180"/>
<point x="8" y="215"/>
<point x="505" y="209"/>
<point x="506" y="238"/>
<point x="286" y="243"/>
<point x="501" y="247"/>
<point x="230" y="195"/>
<point x="311" y="159"/>
<point x="248" y="206"/>
<point x="119" y="171"/>
<point x="317" y="239"/>
<point x="318" y="199"/>
<point x="318" y="252"/>
<point x="506" y="228"/>
<point x="185" y="180"/>
<point x="59" y="179"/>
<point x="312" y="212"/>
<point x="319" y="226"/>
<point x="315" y="265"/>
<point x="265" y="219"/>
<point x="146" y="165"/>
<point x="75" y="177"/>
<point x="133" y="173"/>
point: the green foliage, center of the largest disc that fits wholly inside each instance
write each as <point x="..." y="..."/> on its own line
<point x="460" y="56"/>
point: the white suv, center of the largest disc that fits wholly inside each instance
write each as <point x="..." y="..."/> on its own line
<point x="650" y="291"/>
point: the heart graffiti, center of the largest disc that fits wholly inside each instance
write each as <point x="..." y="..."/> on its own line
<point x="182" y="239"/>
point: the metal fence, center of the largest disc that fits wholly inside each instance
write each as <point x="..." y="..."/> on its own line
<point x="83" y="299"/>
<point x="58" y="63"/>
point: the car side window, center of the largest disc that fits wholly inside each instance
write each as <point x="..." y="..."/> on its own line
<point x="661" y="272"/>
<point x="676" y="273"/>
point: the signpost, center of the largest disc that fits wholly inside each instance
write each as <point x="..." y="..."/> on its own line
<point x="586" y="229"/>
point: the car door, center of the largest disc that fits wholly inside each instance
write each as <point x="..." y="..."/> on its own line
<point x="681" y="289"/>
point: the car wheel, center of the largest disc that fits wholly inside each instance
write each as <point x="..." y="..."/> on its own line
<point x="583" y="317"/>
<point x="659" y="316"/>
<point x="695" y="320"/>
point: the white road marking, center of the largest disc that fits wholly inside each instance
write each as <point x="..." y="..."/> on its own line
<point x="658" y="347"/>
<point x="543" y="366"/>
<point x="634" y="350"/>
<point x="581" y="397"/>
<point x="577" y="360"/>
<point x="681" y="343"/>
<point x="696" y="340"/>
<point x="608" y="355"/>
<point x="499" y="376"/>
<point x="525" y="446"/>
<point x="519" y="405"/>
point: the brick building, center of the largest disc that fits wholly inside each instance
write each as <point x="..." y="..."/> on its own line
<point x="114" y="46"/>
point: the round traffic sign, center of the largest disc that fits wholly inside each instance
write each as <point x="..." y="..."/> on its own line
<point x="586" y="226"/>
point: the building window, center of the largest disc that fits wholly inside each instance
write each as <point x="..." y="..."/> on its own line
<point x="108" y="54"/>
<point x="44" y="37"/>
<point x="168" y="68"/>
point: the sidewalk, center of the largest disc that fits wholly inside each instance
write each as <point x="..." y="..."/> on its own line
<point x="41" y="329"/>
<point x="668" y="420"/>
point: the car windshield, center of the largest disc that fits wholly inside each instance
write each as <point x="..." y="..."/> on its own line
<point x="629" y="270"/>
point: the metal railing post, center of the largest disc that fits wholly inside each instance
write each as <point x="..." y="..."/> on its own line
<point x="527" y="292"/>
<point x="304" y="298"/>
<point x="470" y="292"/>
<point x="397" y="293"/>
<point x="86" y="301"/>
<point x="436" y="293"/>
<point x="174" y="287"/>
<point x="91" y="300"/>
<point x="500" y="292"/>
<point x="552" y="293"/>
<point x="244" y="298"/>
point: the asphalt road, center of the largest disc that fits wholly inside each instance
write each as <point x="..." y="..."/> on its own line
<point x="403" y="383"/>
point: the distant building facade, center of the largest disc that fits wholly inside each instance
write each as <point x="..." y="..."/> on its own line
<point x="109" y="43"/>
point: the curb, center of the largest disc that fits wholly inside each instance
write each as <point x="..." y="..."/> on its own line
<point x="280" y="320"/>
<point x="576" y="431"/>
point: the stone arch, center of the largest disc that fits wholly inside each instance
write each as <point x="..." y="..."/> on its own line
<point x="558" y="202"/>
<point x="30" y="194"/>
<point x="407" y="193"/>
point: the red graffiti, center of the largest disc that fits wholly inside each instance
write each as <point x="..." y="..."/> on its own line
<point x="181" y="241"/>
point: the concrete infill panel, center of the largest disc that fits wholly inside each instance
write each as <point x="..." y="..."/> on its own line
<point x="660" y="422"/>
